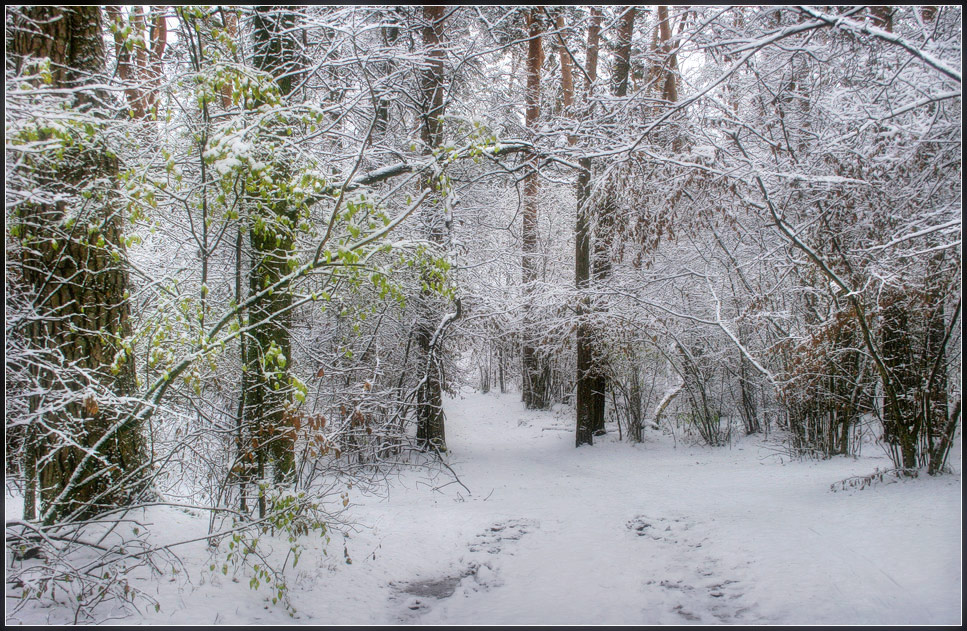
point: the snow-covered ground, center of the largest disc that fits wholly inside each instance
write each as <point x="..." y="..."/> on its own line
<point x="658" y="533"/>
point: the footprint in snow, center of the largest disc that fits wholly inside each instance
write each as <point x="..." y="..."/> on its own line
<point x="418" y="597"/>
<point x="693" y="586"/>
<point x="493" y="539"/>
<point x="661" y="529"/>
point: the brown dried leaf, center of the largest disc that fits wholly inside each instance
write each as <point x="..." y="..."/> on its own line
<point x="90" y="406"/>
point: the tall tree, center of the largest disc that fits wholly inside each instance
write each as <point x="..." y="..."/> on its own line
<point x="604" y="227"/>
<point x="84" y="452"/>
<point x="585" y="378"/>
<point x="536" y="371"/>
<point x="668" y="56"/>
<point x="139" y="44"/>
<point x="390" y="34"/>
<point x="431" y="432"/>
<point x="272" y="238"/>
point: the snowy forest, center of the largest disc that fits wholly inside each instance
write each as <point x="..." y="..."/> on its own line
<point x="483" y="314"/>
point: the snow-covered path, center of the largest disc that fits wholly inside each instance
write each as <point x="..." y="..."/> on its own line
<point x="656" y="533"/>
<point x="595" y="544"/>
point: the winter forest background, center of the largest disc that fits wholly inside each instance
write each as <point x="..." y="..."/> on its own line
<point x="274" y="274"/>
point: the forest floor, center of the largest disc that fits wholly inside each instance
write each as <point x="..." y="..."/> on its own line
<point x="656" y="533"/>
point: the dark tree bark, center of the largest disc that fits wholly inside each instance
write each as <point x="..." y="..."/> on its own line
<point x="266" y="381"/>
<point x="430" y="427"/>
<point x="383" y="101"/>
<point x="882" y="16"/>
<point x="604" y="226"/>
<point x="622" y="62"/>
<point x="74" y="265"/>
<point x="585" y="381"/>
<point x="584" y="398"/>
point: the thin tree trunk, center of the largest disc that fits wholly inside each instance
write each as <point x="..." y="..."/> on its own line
<point x="622" y="61"/>
<point x="383" y="101"/>
<point x="582" y="269"/>
<point x="230" y="20"/>
<point x="242" y="440"/>
<point x="535" y="377"/>
<point x="159" y="39"/>
<point x="670" y="58"/>
<point x="430" y="428"/>
<point x="584" y="401"/>
<point x="604" y="226"/>
<point x="128" y="68"/>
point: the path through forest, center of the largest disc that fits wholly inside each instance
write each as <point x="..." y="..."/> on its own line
<point x="657" y="533"/>
<point x="660" y="533"/>
<point x="565" y="535"/>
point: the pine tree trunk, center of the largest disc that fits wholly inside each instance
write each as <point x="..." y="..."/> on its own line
<point x="536" y="371"/>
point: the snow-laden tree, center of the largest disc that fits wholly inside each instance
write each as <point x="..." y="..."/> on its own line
<point x="69" y="317"/>
<point x="250" y="248"/>
<point x="846" y="138"/>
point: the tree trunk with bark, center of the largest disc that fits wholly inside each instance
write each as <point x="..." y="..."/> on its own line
<point x="536" y="371"/>
<point x="268" y="347"/>
<point x="585" y="379"/>
<point x="383" y="101"/>
<point x="139" y="55"/>
<point x="604" y="227"/>
<point x="74" y="265"/>
<point x="430" y="428"/>
<point x="669" y="83"/>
